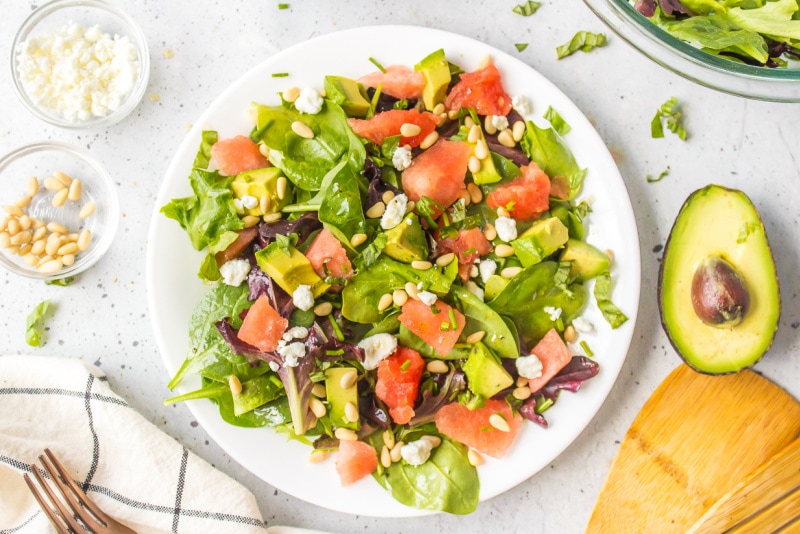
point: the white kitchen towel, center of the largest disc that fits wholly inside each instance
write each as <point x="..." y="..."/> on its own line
<point x="131" y="469"/>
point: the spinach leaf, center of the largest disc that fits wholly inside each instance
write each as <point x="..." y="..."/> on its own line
<point x="553" y="156"/>
<point x="409" y="339"/>
<point x="481" y="317"/>
<point x="341" y="210"/>
<point x="602" y="292"/>
<point x="256" y="392"/>
<point x="34" y="325"/>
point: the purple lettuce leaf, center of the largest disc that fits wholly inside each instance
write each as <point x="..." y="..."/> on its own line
<point x="237" y="346"/>
<point x="575" y="373"/>
<point x="377" y="187"/>
<point x="303" y="226"/>
<point x="449" y="387"/>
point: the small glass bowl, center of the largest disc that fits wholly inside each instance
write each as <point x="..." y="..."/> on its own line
<point x="49" y="18"/>
<point x="42" y="160"/>
<point x="760" y="83"/>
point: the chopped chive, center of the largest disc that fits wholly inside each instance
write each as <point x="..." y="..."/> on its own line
<point x="405" y="365"/>
<point x="336" y="330"/>
<point x="487" y="429"/>
<point x="453" y="323"/>
<point x="445" y="326"/>
<point x="283" y="6"/>
<point x="510" y="206"/>
<point x="280" y="74"/>
<point x="521" y="46"/>
<point x="469" y="251"/>
<point x="275" y="380"/>
<point x="585" y="347"/>
<point x="435" y="310"/>
<point x="377" y="64"/>
<point x="337" y="352"/>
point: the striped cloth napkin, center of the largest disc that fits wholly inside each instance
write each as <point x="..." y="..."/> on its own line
<point x="131" y="469"/>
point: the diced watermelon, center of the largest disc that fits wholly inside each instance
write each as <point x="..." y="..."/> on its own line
<point x="262" y="327"/>
<point x="419" y="318"/>
<point x="482" y="91"/>
<point x="472" y="427"/>
<point x="388" y="123"/>
<point x="438" y="173"/>
<point x="355" y="460"/>
<point x="468" y="246"/>
<point x="328" y="257"/>
<point x="237" y="154"/>
<point x="554" y="354"/>
<point x="398" y="81"/>
<point x="398" y="383"/>
<point x="526" y="197"/>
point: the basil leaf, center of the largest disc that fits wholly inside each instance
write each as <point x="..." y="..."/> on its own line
<point x="669" y="112"/>
<point x="527" y="9"/>
<point x="602" y="293"/>
<point x="34" y="325"/>
<point x="545" y="147"/>
<point x="557" y="121"/>
<point x="61" y="282"/>
<point x="658" y="178"/>
<point x="582" y="41"/>
<point x="521" y="46"/>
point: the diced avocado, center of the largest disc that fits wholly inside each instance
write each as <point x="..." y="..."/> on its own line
<point x="257" y="183"/>
<point x="485" y="374"/>
<point x="542" y="239"/>
<point x="289" y="270"/>
<point x="338" y="397"/>
<point x="348" y="94"/>
<point x="587" y="260"/>
<point x="436" y="70"/>
<point x="494" y="285"/>
<point x="407" y="242"/>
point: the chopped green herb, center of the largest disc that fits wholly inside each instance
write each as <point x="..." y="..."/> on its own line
<point x="453" y="322"/>
<point x="444" y="327"/>
<point x="280" y="74"/>
<point x="469" y="251"/>
<point x="527" y="9"/>
<point x="337" y="352"/>
<point x="585" y="346"/>
<point x="557" y="121"/>
<point x="521" y="46"/>
<point x="373" y="251"/>
<point x="405" y="365"/>
<point x="61" y="282"/>
<point x="658" y="178"/>
<point x="285" y="243"/>
<point x="668" y="111"/>
<point x="582" y="41"/>
<point x="542" y="404"/>
<point x="283" y="6"/>
<point x="336" y="330"/>
<point x="377" y="64"/>
<point x="34" y="328"/>
<point x="487" y="429"/>
<point x="400" y="104"/>
<point x="510" y="206"/>
<point x="602" y="293"/>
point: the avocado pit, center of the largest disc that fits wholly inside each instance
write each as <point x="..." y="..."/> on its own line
<point x="719" y="293"/>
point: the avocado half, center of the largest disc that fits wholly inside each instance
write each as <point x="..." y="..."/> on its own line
<point x="718" y="226"/>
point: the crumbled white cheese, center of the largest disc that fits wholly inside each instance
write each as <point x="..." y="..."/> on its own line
<point x="487" y="268"/>
<point x="582" y="325"/>
<point x="76" y="72"/>
<point x="292" y="353"/>
<point x="237" y="203"/>
<point x="554" y="313"/>
<point x="529" y="366"/>
<point x="427" y="298"/>
<point x="395" y="211"/>
<point x="500" y="122"/>
<point x="474" y="288"/>
<point x="309" y="101"/>
<point x="417" y="452"/>
<point x="274" y="366"/>
<point x="377" y="348"/>
<point x="521" y="105"/>
<point x="295" y="332"/>
<point x="303" y="298"/>
<point x="506" y="228"/>
<point x="249" y="201"/>
<point x="234" y="272"/>
<point x="401" y="159"/>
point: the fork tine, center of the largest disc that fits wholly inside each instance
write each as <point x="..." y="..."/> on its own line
<point x="64" y="514"/>
<point x="54" y="518"/>
<point x="81" y="496"/>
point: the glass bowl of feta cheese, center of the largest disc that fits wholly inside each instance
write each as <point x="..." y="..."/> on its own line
<point x="80" y="63"/>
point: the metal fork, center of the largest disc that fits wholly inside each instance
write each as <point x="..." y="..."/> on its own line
<point x="72" y="512"/>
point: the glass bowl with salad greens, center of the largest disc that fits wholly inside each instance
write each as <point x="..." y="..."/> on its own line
<point x="749" y="48"/>
<point x="407" y="262"/>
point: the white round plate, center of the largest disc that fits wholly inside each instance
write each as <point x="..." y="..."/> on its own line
<point x="173" y="287"/>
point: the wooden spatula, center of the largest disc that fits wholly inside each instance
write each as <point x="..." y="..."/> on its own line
<point x="693" y="441"/>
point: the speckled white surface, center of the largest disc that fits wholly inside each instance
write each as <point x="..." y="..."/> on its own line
<point x="103" y="317"/>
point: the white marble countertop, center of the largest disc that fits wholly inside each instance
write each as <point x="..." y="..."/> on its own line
<point x="198" y="49"/>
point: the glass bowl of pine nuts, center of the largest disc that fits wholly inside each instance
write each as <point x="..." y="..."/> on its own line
<point x="59" y="211"/>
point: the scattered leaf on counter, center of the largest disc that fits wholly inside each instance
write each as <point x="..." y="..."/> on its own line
<point x="527" y="9"/>
<point x="283" y="6"/>
<point x="669" y="112"/>
<point x="61" y="282"/>
<point x="658" y="178"/>
<point x="280" y="74"/>
<point x="521" y="46"/>
<point x="557" y="121"/>
<point x="583" y="41"/>
<point x="34" y="327"/>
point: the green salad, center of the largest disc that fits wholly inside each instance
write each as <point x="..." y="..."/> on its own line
<point x="396" y="270"/>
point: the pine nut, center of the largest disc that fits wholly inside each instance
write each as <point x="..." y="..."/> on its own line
<point x="37" y="247"/>
<point x="51" y="184"/>
<point x="395" y="452"/>
<point x="22" y="202"/>
<point x="75" y="190"/>
<point x="50" y="267"/>
<point x="376" y="210"/>
<point x="399" y="297"/>
<point x="522" y="393"/>
<point x="506" y="138"/>
<point x="32" y="187"/>
<point x="358" y="239"/>
<point x="411" y="290"/>
<point x="445" y="259"/>
<point x="409" y="129"/>
<point x="302" y="130"/>
<point x="518" y="131"/>
<point x="610" y="255"/>
<point x="345" y="434"/>
<point x="522" y="381"/>
<point x="388" y="438"/>
<point x="4" y="223"/>
<point x="323" y="308"/>
<point x="37" y="223"/>
<point x="485" y="61"/>
<point x="503" y="251"/>
<point x="63" y="178"/>
<point x="317" y="408"/>
<point x="84" y="239"/>
<point x="235" y="384"/>
<point x="318" y="390"/>
<point x="13" y="249"/>
<point x="410" y="206"/>
<point x="570" y="334"/>
<point x="474" y="165"/>
<point x="348" y="379"/>
<point x="317" y="456"/>
<point x="438" y="109"/>
<point x="474" y="134"/>
<point x="263" y="150"/>
<point x="5" y="240"/>
<point x="13" y="226"/>
<point x="386" y="457"/>
<point x="291" y="94"/>
<point x="69" y="248"/>
<point x="452" y="114"/>
<point x="385" y="301"/>
<point x="429" y="140"/>
<point x="468" y="122"/>
<point x="14" y="210"/>
<point x="502" y="212"/>
<point x="280" y="187"/>
<point x="272" y="217"/>
<point x="39" y="233"/>
<point x="499" y="422"/>
<point x="437" y="367"/>
<point x="24" y="249"/>
<point x="21" y="238"/>
<point x="87" y="210"/>
<point x="43" y="260"/>
<point x="434" y="440"/>
<point x="474" y="457"/>
<point x="473" y="271"/>
<point x="481" y="150"/>
<point x="421" y="265"/>
<point x="25" y="223"/>
<point x="387" y="196"/>
<point x="52" y="246"/>
<point x="250" y="220"/>
<point x="464" y="195"/>
<point x="265" y="203"/>
<point x="476" y="336"/>
<point x="488" y="126"/>
<point x="510" y="272"/>
<point x="489" y="232"/>
<point x="68" y="259"/>
<point x="30" y="259"/>
<point x="351" y="412"/>
<point x="475" y="193"/>
<point x="60" y="197"/>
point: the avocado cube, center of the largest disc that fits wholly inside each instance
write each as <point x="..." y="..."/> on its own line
<point x="289" y="269"/>
<point x="485" y="374"/>
<point x="407" y="241"/>
<point x="539" y="241"/>
<point x="348" y="94"/>
<point x="435" y="70"/>
<point x="587" y="261"/>
<point x="257" y="183"/>
<point x="338" y="397"/>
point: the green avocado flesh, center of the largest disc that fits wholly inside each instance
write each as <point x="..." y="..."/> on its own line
<point x="716" y="222"/>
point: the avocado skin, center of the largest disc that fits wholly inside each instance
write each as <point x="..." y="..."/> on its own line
<point x="722" y="198"/>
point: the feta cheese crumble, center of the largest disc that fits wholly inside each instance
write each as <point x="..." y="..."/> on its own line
<point x="296" y="332"/>
<point x="377" y="348"/>
<point x="249" y="202"/>
<point x="487" y="268"/>
<point x="521" y="105"/>
<point x="582" y="325"/>
<point x="427" y="298"/>
<point x="475" y="289"/>
<point x="395" y="211"/>
<point x="529" y="366"/>
<point x="401" y="159"/>
<point x="417" y="452"/>
<point x="234" y="272"/>
<point x="292" y="352"/>
<point x="274" y="366"/>
<point x="303" y="298"/>
<point x="506" y="228"/>
<point x="554" y="313"/>
<point x="309" y="102"/>
<point x="500" y="122"/>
